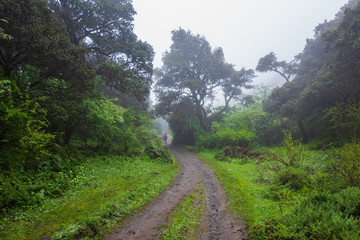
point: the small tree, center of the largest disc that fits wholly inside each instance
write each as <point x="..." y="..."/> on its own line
<point x="294" y="153"/>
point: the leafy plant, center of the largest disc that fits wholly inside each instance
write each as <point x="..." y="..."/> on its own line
<point x="241" y="137"/>
<point x="293" y="178"/>
<point x="320" y="216"/>
<point x="347" y="163"/>
<point x="294" y="153"/>
<point x="23" y="134"/>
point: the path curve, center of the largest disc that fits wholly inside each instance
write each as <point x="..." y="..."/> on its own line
<point x="220" y="224"/>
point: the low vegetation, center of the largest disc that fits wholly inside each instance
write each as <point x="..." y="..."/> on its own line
<point x="312" y="199"/>
<point x="105" y="192"/>
<point x="185" y="221"/>
<point x="78" y="155"/>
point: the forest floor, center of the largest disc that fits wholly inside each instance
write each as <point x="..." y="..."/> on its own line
<point x="217" y="223"/>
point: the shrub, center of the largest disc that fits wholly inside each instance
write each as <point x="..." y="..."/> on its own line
<point x="241" y="137"/>
<point x="206" y="140"/>
<point x="232" y="152"/>
<point x="221" y="157"/>
<point x="320" y="216"/>
<point x="347" y="164"/>
<point x="21" y="189"/>
<point x="294" y="153"/>
<point x="24" y="142"/>
<point x="294" y="178"/>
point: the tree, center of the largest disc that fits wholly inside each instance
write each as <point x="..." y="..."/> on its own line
<point x="2" y="34"/>
<point x="41" y="52"/>
<point x="105" y="28"/>
<point x="270" y="63"/>
<point x="327" y="75"/>
<point x="41" y="41"/>
<point x="195" y="73"/>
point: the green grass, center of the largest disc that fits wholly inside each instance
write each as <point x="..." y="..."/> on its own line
<point x="185" y="221"/>
<point x="107" y="191"/>
<point x="251" y="191"/>
<point x="246" y="197"/>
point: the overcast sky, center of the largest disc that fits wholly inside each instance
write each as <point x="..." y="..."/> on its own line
<point x="246" y="30"/>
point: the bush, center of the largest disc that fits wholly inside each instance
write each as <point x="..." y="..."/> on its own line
<point x="231" y="137"/>
<point x="294" y="153"/>
<point x="24" y="142"/>
<point x="320" y="216"/>
<point x="21" y="189"/>
<point x="206" y="140"/>
<point x="232" y="152"/>
<point x="294" y="178"/>
<point x="222" y="157"/>
<point x="347" y="164"/>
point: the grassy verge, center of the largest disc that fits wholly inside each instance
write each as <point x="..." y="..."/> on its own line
<point x="186" y="219"/>
<point x="311" y="201"/>
<point x="107" y="191"/>
<point x="246" y="197"/>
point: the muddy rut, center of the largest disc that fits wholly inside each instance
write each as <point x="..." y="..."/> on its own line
<point x="219" y="223"/>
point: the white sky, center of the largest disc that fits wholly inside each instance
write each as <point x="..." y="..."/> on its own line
<point x="246" y="30"/>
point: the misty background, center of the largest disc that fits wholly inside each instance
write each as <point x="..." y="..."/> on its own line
<point x="246" y="30"/>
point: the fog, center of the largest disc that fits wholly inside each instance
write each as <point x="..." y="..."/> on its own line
<point x="245" y="29"/>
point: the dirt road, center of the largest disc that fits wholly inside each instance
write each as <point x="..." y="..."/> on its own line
<point x="220" y="224"/>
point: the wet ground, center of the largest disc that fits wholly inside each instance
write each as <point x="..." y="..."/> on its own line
<point x="219" y="222"/>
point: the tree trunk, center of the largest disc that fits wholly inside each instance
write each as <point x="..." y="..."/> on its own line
<point x="303" y="132"/>
<point x="68" y="133"/>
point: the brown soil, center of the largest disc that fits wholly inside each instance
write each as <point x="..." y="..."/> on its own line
<point x="219" y="222"/>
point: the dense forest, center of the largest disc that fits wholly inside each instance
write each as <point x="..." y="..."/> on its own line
<point x="319" y="103"/>
<point x="75" y="83"/>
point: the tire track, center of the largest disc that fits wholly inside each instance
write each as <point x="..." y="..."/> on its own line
<point x="220" y="225"/>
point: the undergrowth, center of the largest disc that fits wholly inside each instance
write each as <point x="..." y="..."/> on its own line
<point x="316" y="198"/>
<point x="105" y="192"/>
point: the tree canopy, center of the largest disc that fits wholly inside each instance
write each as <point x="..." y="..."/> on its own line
<point x="270" y="63"/>
<point x="195" y="73"/>
<point x="105" y="29"/>
<point x="327" y="74"/>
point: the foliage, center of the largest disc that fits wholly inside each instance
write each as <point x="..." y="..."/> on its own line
<point x="344" y="119"/>
<point x="192" y="72"/>
<point x="288" y="202"/>
<point x="293" y="178"/>
<point x="20" y="189"/>
<point x="327" y="76"/>
<point x="2" y="34"/>
<point x="347" y="164"/>
<point x="40" y="40"/>
<point x="294" y="153"/>
<point x="183" y="123"/>
<point x="231" y="137"/>
<point x="24" y="144"/>
<point x="229" y="153"/>
<point x="104" y="192"/>
<point x="105" y="29"/>
<point x="51" y="114"/>
<point x="270" y="63"/>
<point x="320" y="216"/>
